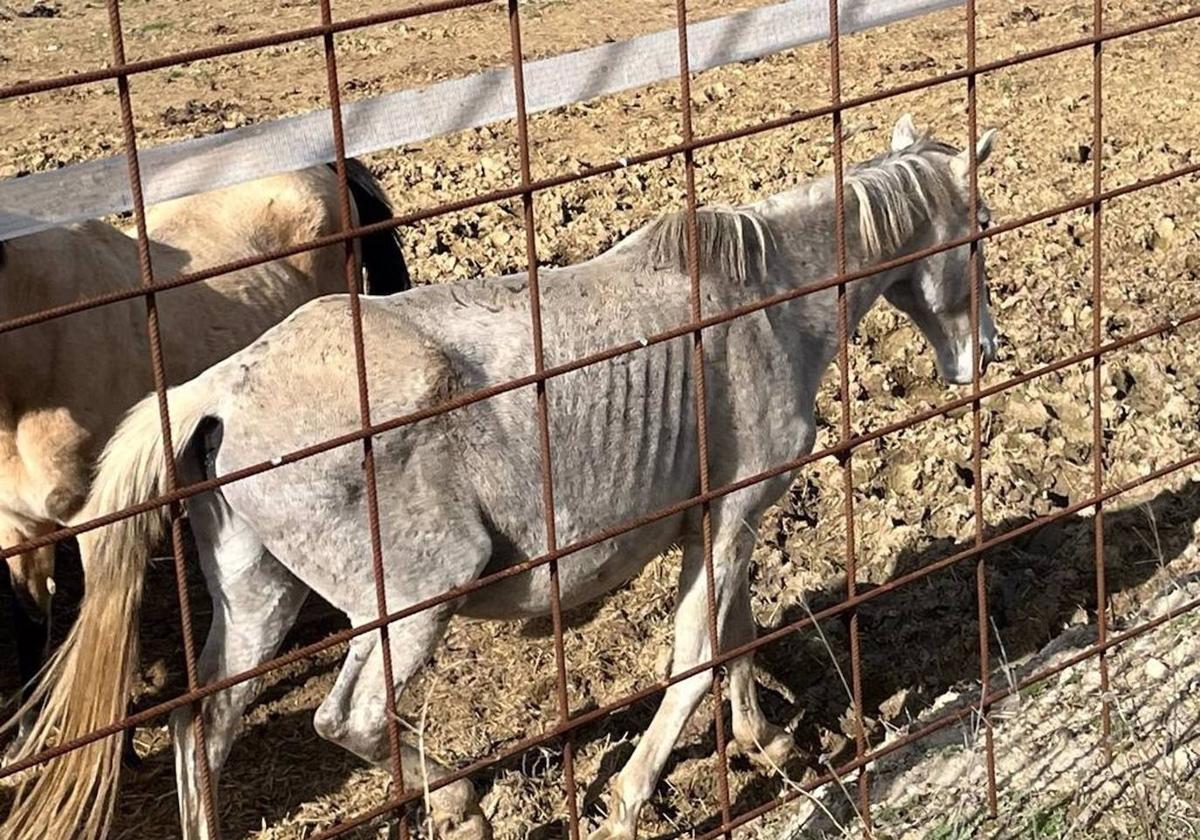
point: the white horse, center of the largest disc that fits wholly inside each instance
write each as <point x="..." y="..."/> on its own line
<point x="458" y="493"/>
<point x="65" y="383"/>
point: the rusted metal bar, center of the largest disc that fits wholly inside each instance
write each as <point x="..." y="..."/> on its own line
<point x="974" y="268"/>
<point x="171" y="478"/>
<point x="351" y="268"/>
<point x="700" y="403"/>
<point x="843" y="363"/>
<point x="1097" y="365"/>
<point x="541" y="407"/>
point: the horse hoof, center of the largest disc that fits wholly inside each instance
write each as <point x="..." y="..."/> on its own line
<point x="456" y="813"/>
<point x="771" y="751"/>
<point x="611" y="830"/>
<point x="129" y="757"/>
<point x="474" y="827"/>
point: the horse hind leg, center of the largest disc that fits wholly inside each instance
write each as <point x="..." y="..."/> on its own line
<point x="355" y="716"/>
<point x="255" y="602"/>
<point x="436" y="544"/>
<point x="31" y="577"/>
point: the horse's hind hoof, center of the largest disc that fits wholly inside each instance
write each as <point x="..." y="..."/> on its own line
<point x="456" y="813"/>
<point x="775" y="753"/>
<point x="610" y="830"/>
<point x="474" y="827"/>
<point x="770" y="751"/>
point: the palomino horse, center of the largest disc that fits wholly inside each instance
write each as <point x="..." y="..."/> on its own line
<point x="65" y="383"/>
<point x="458" y="493"/>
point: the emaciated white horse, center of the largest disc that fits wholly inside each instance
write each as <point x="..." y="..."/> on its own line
<point x="458" y="493"/>
<point x="65" y="383"/>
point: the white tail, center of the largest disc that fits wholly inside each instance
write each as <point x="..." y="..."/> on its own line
<point x="86" y="684"/>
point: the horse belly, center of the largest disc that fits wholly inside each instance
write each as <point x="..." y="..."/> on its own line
<point x="583" y="576"/>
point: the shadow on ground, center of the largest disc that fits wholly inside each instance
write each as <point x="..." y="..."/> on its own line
<point x="921" y="639"/>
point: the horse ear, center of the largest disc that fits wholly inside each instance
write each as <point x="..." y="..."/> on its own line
<point x="960" y="164"/>
<point x="904" y="133"/>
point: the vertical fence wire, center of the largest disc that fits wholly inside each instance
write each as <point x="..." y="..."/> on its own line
<point x="1097" y="396"/>
<point x="158" y="367"/>
<point x="846" y="430"/>
<point x="975" y="270"/>
<point x="529" y="222"/>
<point x="396" y="761"/>
<point x="700" y="397"/>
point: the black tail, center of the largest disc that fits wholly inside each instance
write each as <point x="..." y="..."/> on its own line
<point x="382" y="258"/>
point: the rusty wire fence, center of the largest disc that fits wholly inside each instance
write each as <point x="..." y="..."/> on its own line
<point x="542" y="378"/>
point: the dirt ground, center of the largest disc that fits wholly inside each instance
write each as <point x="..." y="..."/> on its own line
<point x="492" y="684"/>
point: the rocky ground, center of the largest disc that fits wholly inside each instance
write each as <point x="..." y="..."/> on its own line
<point x="491" y="685"/>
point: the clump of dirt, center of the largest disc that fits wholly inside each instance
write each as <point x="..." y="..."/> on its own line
<point x="1052" y="768"/>
<point x="40" y="9"/>
<point x="205" y="117"/>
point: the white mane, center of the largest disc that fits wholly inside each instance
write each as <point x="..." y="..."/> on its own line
<point x="887" y="199"/>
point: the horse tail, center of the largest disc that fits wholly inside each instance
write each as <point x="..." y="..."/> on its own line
<point x="86" y="685"/>
<point x="383" y="259"/>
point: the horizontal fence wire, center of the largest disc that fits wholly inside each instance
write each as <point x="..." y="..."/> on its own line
<point x="543" y="378"/>
<point x="478" y="395"/>
<point x="661" y="153"/>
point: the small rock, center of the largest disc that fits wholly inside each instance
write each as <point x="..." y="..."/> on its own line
<point x="1025" y="14"/>
<point x="894" y="705"/>
<point x="1164" y="232"/>
<point x="717" y="91"/>
<point x="1155" y="669"/>
<point x="41" y="9"/>
<point x="1083" y="153"/>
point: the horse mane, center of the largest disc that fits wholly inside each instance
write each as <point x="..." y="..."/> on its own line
<point x="887" y="199"/>
<point x="733" y="241"/>
<point x="892" y="195"/>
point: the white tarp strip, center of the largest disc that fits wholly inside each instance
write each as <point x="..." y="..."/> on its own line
<point x="97" y="188"/>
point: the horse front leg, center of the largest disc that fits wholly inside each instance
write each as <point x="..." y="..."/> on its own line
<point x="31" y="575"/>
<point x="764" y="742"/>
<point x="635" y="784"/>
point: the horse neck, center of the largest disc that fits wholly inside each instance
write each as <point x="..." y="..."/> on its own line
<point x="805" y="255"/>
<point x="806" y="241"/>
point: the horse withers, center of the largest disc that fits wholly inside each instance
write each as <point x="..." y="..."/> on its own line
<point x="65" y="383"/>
<point x="459" y="493"/>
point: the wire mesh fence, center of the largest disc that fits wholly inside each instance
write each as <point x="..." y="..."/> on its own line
<point x="541" y="380"/>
